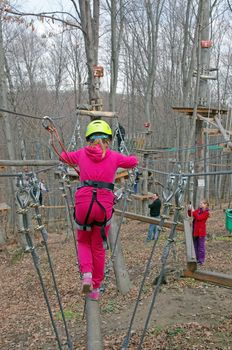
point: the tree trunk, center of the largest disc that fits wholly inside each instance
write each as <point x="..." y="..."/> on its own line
<point x="7" y="131"/>
<point x="90" y="27"/>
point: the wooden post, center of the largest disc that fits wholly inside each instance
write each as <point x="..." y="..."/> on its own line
<point x="121" y="274"/>
<point x="4" y="209"/>
<point x="94" y="337"/>
<point x="190" y="251"/>
<point x="144" y="191"/>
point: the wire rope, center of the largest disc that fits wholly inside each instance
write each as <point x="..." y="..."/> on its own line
<point x="167" y="196"/>
<point x="24" y="115"/>
<point x="178" y="198"/>
<point x="22" y="196"/>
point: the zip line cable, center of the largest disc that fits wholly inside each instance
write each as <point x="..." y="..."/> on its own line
<point x="167" y="159"/>
<point x="222" y="172"/>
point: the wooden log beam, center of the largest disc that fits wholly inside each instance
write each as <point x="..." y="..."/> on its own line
<point x="148" y="219"/>
<point x="96" y="114"/>
<point x="93" y="325"/>
<point x="211" y="277"/>
<point x="132" y="216"/>
<point x="28" y="162"/>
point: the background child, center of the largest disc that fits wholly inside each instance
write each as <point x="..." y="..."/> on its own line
<point x="155" y="207"/>
<point x="94" y="200"/>
<point x="200" y="217"/>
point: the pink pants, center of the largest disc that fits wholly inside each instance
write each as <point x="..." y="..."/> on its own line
<point x="91" y="253"/>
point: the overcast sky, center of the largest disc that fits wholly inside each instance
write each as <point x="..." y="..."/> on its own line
<point x="37" y="6"/>
<point x="43" y="5"/>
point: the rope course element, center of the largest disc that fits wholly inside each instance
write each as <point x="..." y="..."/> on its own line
<point x="35" y="192"/>
<point x="220" y="172"/>
<point x="49" y="125"/>
<point x="179" y="196"/>
<point x="64" y="182"/>
<point x="121" y="194"/>
<point x="27" y="196"/>
<point x="76" y="131"/>
<point x="168" y="194"/>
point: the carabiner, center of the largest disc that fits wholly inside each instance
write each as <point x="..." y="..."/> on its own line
<point x="48" y="124"/>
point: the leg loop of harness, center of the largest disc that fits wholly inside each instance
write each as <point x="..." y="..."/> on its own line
<point x="88" y="227"/>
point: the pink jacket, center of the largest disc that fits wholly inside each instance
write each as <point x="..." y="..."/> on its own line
<point x="199" y="222"/>
<point x="93" y="167"/>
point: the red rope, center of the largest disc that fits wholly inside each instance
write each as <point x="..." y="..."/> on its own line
<point x="55" y="136"/>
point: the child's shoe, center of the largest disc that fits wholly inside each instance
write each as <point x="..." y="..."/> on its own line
<point x="94" y="295"/>
<point x="87" y="284"/>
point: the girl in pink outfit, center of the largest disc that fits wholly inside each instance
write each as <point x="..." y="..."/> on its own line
<point x="94" y="200"/>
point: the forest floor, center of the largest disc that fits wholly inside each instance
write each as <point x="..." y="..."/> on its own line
<point x="187" y="314"/>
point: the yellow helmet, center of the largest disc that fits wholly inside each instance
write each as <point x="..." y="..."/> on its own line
<point x="98" y="126"/>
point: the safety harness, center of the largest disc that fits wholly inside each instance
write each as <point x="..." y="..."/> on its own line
<point x="88" y="226"/>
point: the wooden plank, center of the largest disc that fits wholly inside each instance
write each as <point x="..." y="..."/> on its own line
<point x="96" y="114"/>
<point x="210" y="277"/>
<point x="148" y="219"/>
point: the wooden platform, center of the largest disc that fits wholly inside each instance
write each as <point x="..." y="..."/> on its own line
<point x="204" y="111"/>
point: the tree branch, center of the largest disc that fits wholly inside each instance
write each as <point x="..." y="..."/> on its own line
<point x="48" y="15"/>
<point x="75" y="6"/>
<point x="230" y="7"/>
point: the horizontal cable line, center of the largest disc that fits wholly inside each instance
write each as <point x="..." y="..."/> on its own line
<point x="223" y="172"/>
<point x="25" y="115"/>
<point x="174" y="149"/>
<point x="167" y="159"/>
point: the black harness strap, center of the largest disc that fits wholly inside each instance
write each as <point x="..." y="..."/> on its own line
<point x="103" y="224"/>
<point x="94" y="198"/>
<point x="103" y="232"/>
<point x="96" y="184"/>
